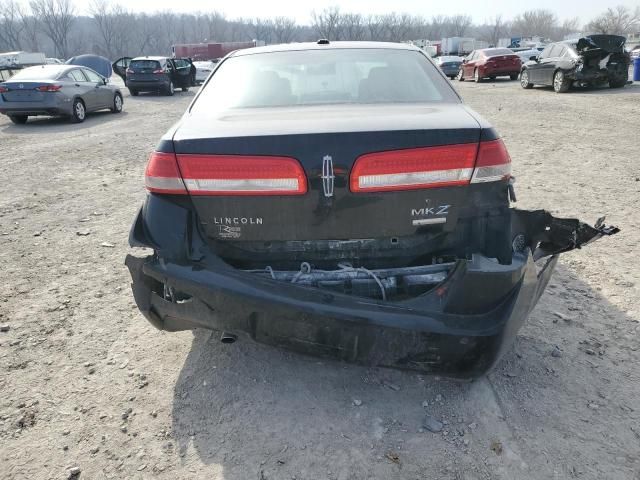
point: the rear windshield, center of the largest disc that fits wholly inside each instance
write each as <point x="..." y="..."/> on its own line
<point x="37" y="73"/>
<point x="154" y="64"/>
<point x="332" y="76"/>
<point x="494" y="52"/>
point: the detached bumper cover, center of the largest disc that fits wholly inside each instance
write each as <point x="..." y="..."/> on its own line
<point x="458" y="329"/>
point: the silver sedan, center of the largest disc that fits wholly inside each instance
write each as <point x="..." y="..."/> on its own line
<point x="57" y="90"/>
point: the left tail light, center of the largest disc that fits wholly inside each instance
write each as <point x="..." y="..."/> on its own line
<point x="3" y="89"/>
<point x="162" y="174"/>
<point x="242" y="175"/>
<point x="49" y="88"/>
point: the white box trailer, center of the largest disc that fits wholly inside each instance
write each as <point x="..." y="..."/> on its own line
<point x="451" y="45"/>
<point x="469" y="46"/>
<point x="21" y="59"/>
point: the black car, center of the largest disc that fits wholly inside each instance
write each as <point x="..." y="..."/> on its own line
<point x="589" y="61"/>
<point x="339" y="199"/>
<point x="155" y="74"/>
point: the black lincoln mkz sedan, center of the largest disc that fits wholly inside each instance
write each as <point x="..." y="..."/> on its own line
<point x="339" y="199"/>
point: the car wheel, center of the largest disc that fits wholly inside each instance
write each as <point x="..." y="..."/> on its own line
<point x="560" y="83"/>
<point x="524" y="80"/>
<point x="513" y="76"/>
<point x="117" y="103"/>
<point x="79" y="112"/>
<point x="19" y="119"/>
<point x="460" y="76"/>
<point x="134" y="93"/>
<point x="476" y="76"/>
<point x="170" y="90"/>
<point x="619" y="83"/>
<point x="185" y="89"/>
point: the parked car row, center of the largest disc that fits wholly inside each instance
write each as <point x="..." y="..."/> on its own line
<point x="57" y="90"/>
<point x="82" y="85"/>
<point x="593" y="60"/>
<point x="155" y="74"/>
<point x="337" y="216"/>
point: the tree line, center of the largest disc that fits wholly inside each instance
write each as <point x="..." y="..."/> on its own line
<point x="110" y="29"/>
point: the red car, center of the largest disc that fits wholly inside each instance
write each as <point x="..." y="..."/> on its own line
<point x="490" y="63"/>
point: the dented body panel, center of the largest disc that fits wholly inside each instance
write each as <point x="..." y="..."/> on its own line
<point x="588" y="61"/>
<point x="458" y="327"/>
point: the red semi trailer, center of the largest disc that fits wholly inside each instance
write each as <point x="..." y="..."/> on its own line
<point x="210" y="51"/>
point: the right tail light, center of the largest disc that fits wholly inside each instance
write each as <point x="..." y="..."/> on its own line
<point x="493" y="163"/>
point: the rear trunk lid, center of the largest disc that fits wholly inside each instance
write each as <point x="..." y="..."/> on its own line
<point x="143" y="71"/>
<point x="24" y="91"/>
<point x="504" y="60"/>
<point x="311" y="135"/>
<point x="606" y="43"/>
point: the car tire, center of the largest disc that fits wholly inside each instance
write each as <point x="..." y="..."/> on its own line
<point x="476" y="76"/>
<point x="619" y="83"/>
<point x="134" y="93"/>
<point x="560" y="83"/>
<point x="170" y="90"/>
<point x="117" y="103"/>
<point x="185" y="89"/>
<point x="524" y="80"/>
<point x="460" y="76"/>
<point x="513" y="76"/>
<point x="19" y="119"/>
<point x="78" y="111"/>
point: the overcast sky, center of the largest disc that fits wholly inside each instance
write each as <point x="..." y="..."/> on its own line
<point x="300" y="10"/>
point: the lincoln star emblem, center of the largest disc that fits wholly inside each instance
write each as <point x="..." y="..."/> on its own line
<point x="328" y="178"/>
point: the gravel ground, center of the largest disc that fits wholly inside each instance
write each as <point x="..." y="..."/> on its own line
<point x="89" y="386"/>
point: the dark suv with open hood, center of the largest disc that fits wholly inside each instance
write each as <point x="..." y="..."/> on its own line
<point x="588" y="61"/>
<point x="339" y="199"/>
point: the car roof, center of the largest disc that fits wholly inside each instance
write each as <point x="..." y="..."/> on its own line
<point x="147" y="57"/>
<point x="51" y="68"/>
<point x="291" y="47"/>
<point x="489" y="50"/>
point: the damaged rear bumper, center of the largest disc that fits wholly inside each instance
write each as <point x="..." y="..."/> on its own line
<point x="459" y="328"/>
<point x="451" y="330"/>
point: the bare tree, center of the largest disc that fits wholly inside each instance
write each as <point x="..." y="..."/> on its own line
<point x="493" y="30"/>
<point x="31" y="31"/>
<point x="353" y="26"/>
<point x="56" y="18"/>
<point x="618" y="20"/>
<point x="396" y="27"/>
<point x="262" y="29"/>
<point x="460" y="24"/>
<point x="375" y="28"/>
<point x="569" y="25"/>
<point x="328" y="23"/>
<point x="435" y="28"/>
<point x="535" y="22"/>
<point x="217" y="26"/>
<point x="11" y="26"/>
<point x="284" y="29"/>
<point x="114" y="26"/>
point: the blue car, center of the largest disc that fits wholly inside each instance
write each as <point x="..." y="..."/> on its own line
<point x="450" y="65"/>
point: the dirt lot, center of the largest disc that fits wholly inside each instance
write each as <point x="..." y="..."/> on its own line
<point x="86" y="382"/>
